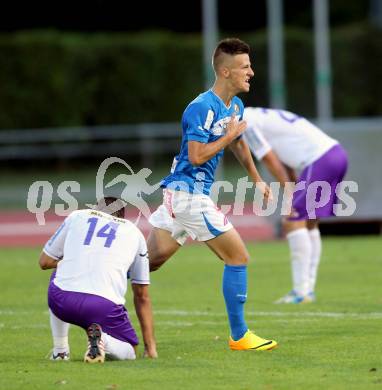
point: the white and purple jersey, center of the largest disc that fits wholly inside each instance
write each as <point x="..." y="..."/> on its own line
<point x="97" y="251"/>
<point x="204" y="120"/>
<point x="296" y="141"/>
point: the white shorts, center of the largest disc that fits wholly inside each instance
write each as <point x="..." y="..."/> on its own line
<point x="189" y="215"/>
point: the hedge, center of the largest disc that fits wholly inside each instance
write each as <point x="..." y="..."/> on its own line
<point x="51" y="78"/>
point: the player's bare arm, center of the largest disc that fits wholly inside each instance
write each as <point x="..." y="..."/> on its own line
<point x="276" y="168"/>
<point x="47" y="262"/>
<point x="242" y="153"/>
<point x="291" y="173"/>
<point x="199" y="153"/>
<point x="144" y="312"/>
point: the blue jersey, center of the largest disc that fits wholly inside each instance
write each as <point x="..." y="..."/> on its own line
<point x="204" y="120"/>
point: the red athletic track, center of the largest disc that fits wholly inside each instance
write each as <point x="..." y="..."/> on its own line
<point x="20" y="228"/>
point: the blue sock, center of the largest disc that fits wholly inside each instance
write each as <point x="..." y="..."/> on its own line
<point x="235" y="295"/>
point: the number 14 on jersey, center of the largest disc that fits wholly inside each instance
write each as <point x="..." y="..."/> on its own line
<point x="107" y="231"/>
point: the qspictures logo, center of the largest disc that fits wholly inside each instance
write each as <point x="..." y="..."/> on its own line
<point x="136" y="185"/>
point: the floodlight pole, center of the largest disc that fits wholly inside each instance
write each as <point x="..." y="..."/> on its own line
<point x="210" y="38"/>
<point x="376" y="13"/>
<point x="322" y="61"/>
<point x="276" y="53"/>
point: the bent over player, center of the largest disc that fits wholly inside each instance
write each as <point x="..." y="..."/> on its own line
<point x="286" y="142"/>
<point x="210" y="123"/>
<point x="94" y="253"/>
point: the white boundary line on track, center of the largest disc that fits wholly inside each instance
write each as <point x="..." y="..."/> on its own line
<point x="15" y="229"/>
<point x="32" y="228"/>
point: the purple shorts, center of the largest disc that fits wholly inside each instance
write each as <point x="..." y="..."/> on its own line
<point x="317" y="197"/>
<point x="83" y="309"/>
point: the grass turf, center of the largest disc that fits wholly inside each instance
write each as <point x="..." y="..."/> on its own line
<point x="335" y="343"/>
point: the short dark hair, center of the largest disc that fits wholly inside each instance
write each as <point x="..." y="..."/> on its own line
<point x="230" y="46"/>
<point x="117" y="209"/>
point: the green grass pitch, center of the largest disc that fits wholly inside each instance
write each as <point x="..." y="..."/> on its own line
<point x="335" y="343"/>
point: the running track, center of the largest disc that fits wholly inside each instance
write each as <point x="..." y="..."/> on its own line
<point x="20" y="228"/>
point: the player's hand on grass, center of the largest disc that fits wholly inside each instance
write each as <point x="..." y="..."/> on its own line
<point x="235" y="128"/>
<point x="150" y="353"/>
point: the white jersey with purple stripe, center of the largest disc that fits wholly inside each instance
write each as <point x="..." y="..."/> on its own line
<point x="204" y="120"/>
<point x="295" y="140"/>
<point x="97" y="252"/>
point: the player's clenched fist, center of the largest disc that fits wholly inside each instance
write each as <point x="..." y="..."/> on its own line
<point x="265" y="190"/>
<point x="235" y="128"/>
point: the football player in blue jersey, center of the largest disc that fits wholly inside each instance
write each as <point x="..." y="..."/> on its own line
<point x="210" y="123"/>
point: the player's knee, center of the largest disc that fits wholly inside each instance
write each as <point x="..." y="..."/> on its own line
<point x="157" y="259"/>
<point x="246" y="259"/>
<point x="128" y="353"/>
<point x="239" y="259"/>
<point x="245" y="256"/>
<point x="290" y="225"/>
<point x="154" y="265"/>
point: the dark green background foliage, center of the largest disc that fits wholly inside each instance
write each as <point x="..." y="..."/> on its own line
<point x="51" y="78"/>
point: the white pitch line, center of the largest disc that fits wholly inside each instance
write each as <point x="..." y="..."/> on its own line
<point x="312" y="314"/>
<point x="14" y="312"/>
<point x="280" y="314"/>
<point x="29" y="326"/>
<point x="158" y="324"/>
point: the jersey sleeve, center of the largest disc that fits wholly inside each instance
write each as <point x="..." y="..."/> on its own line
<point x="257" y="142"/>
<point x="139" y="271"/>
<point x="55" y="246"/>
<point x="197" y="121"/>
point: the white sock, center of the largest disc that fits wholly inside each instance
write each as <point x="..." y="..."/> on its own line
<point x="60" y="332"/>
<point x="315" y="240"/>
<point x="300" y="252"/>
<point x="117" y="349"/>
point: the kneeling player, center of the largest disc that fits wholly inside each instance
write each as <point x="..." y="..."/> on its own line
<point x="94" y="252"/>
